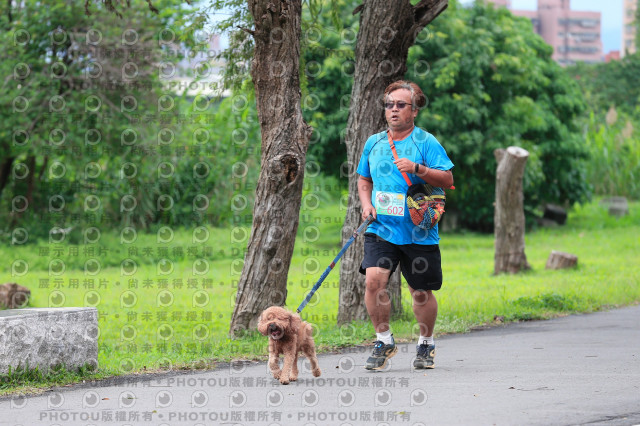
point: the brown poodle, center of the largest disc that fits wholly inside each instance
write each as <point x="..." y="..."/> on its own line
<point x="288" y="335"/>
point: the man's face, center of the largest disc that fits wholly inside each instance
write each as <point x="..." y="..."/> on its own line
<point x="400" y="119"/>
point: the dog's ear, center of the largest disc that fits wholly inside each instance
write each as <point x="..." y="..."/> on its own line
<point x="294" y="323"/>
<point x="262" y="326"/>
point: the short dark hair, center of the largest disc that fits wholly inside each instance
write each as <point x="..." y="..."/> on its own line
<point x="418" y="99"/>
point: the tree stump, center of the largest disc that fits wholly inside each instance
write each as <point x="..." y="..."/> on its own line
<point x="509" y="211"/>
<point x="561" y="260"/>
<point x="13" y="296"/>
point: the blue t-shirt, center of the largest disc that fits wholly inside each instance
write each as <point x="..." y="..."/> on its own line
<point x="389" y="187"/>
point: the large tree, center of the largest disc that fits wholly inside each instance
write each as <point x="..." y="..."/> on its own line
<point x="285" y="138"/>
<point x="387" y="31"/>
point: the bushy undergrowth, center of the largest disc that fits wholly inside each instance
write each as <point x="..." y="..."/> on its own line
<point x="614" y="148"/>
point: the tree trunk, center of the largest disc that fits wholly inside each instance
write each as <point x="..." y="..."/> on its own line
<point x="5" y="170"/>
<point x="285" y="139"/>
<point x="509" y="211"/>
<point x="31" y="179"/>
<point x="387" y="30"/>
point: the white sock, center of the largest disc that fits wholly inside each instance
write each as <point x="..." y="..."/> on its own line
<point x="385" y="337"/>
<point x="423" y="339"/>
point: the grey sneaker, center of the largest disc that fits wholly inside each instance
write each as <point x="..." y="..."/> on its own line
<point x="425" y="356"/>
<point x="381" y="353"/>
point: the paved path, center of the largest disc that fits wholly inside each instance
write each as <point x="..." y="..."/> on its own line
<point x="582" y="369"/>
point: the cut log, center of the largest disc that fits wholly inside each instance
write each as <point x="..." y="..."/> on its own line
<point x="561" y="260"/>
<point x="449" y="221"/>
<point x="555" y="213"/>
<point x="13" y="296"/>
<point x="509" y="211"/>
<point x="618" y="210"/>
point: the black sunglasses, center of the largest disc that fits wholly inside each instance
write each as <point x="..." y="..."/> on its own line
<point x="400" y="104"/>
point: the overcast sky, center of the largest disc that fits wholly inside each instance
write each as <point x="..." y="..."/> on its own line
<point x="611" y="11"/>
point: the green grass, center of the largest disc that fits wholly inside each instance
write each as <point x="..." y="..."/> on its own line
<point x="27" y="380"/>
<point x="181" y="319"/>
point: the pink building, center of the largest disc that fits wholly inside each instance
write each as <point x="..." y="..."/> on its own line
<point x="574" y="35"/>
<point x="614" y="55"/>
<point x="629" y="27"/>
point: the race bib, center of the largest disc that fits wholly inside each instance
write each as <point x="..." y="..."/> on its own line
<point x="390" y="203"/>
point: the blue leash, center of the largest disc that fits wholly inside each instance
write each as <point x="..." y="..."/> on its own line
<point x="333" y="264"/>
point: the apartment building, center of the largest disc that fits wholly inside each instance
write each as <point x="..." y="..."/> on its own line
<point x="574" y="35"/>
<point x="505" y="3"/>
<point x="629" y="8"/>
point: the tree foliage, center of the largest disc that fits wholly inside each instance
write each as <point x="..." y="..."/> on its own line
<point x="93" y="132"/>
<point x="491" y="84"/>
<point x="329" y="38"/>
<point x="612" y="91"/>
<point x="614" y="83"/>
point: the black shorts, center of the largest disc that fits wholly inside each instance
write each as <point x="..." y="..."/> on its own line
<point x="420" y="264"/>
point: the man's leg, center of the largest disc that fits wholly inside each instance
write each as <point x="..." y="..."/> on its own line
<point x="376" y="298"/>
<point x="378" y="305"/>
<point x="425" y="309"/>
